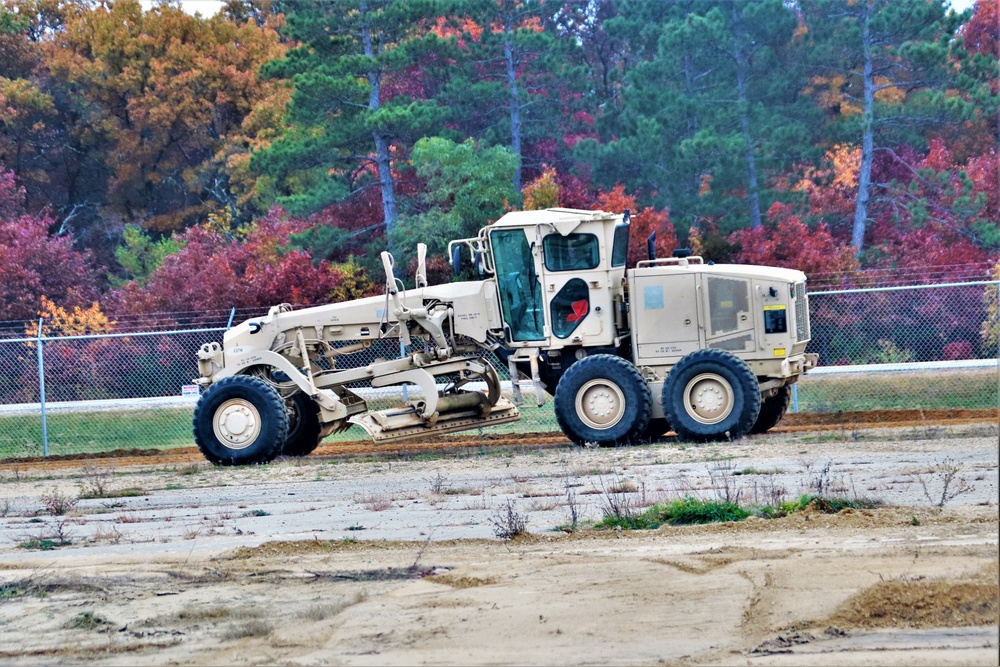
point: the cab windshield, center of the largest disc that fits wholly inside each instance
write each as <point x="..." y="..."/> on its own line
<point x="517" y="282"/>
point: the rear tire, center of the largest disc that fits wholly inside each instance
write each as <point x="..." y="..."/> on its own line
<point x="240" y="420"/>
<point x="772" y="410"/>
<point x="603" y="399"/>
<point x="711" y="395"/>
<point x="303" y="426"/>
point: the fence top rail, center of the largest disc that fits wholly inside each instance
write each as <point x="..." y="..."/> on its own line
<point x="169" y="332"/>
<point x="905" y="287"/>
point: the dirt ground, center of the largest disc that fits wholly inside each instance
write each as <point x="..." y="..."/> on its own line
<point x="393" y="557"/>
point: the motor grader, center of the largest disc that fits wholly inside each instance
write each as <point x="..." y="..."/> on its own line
<point x="709" y="351"/>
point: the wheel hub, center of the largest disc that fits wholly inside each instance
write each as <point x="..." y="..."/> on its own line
<point x="237" y="423"/>
<point x="709" y="398"/>
<point x="600" y="404"/>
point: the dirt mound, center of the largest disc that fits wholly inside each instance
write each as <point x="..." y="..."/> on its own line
<point x="922" y="603"/>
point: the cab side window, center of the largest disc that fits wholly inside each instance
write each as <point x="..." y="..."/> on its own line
<point x="574" y="252"/>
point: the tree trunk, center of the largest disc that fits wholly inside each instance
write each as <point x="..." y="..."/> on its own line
<point x="383" y="159"/>
<point x="515" y="102"/>
<point x="692" y="127"/>
<point x="867" y="142"/>
<point x="744" y="111"/>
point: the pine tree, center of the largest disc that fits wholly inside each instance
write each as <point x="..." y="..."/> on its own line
<point x="343" y="120"/>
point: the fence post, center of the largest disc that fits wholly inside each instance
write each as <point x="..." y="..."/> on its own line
<point x="795" y="398"/>
<point x="232" y="314"/>
<point x="41" y="391"/>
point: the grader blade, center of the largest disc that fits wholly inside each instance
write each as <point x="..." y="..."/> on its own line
<point x="407" y="422"/>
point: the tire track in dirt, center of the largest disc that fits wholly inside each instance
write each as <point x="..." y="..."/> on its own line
<point x="801" y="422"/>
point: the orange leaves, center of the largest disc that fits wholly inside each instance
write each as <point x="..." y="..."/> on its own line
<point x="543" y="192"/>
<point x="58" y="321"/>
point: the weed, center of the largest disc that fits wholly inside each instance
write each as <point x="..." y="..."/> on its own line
<point x="192" y="533"/>
<point x="107" y="534"/>
<point x="96" y="480"/>
<point x="616" y="504"/>
<point x="190" y="469"/>
<point x="254" y="628"/>
<point x="376" y="502"/>
<point x="947" y="475"/>
<point x="508" y="523"/>
<point x="86" y="620"/>
<point x="57" y="504"/>
<point x="721" y="477"/>
<point x="572" y="507"/>
<point x="325" y="611"/>
<point x="256" y="513"/>
<point x="438" y="483"/>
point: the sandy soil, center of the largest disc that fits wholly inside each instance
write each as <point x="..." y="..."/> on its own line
<point x="393" y="558"/>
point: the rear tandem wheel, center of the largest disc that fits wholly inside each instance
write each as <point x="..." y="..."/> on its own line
<point x="711" y="395"/>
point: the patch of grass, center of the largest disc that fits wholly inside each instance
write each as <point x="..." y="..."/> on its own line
<point x="756" y="471"/>
<point x="678" y="512"/>
<point x="936" y="390"/>
<point x="256" y="513"/>
<point x="253" y="628"/>
<point x="127" y="492"/>
<point x="87" y="620"/>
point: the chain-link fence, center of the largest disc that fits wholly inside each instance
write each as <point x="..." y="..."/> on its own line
<point x="924" y="347"/>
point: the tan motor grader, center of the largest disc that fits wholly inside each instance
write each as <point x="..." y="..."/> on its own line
<point x="709" y="351"/>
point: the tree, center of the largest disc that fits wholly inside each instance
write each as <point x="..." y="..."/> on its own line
<point x="788" y="242"/>
<point x="892" y="57"/>
<point x="35" y="265"/>
<point x="255" y="269"/>
<point x="515" y="82"/>
<point x="468" y="186"/>
<point x="343" y="122"/>
<point x="712" y="110"/>
<point x="139" y="255"/>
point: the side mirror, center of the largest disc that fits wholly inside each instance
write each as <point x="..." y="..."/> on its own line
<point x="651" y="246"/>
<point x="456" y="259"/>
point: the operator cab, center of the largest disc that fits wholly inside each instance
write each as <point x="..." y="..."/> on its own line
<point x="559" y="272"/>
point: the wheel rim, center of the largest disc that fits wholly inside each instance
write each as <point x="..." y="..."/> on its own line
<point x="709" y="398"/>
<point x="600" y="404"/>
<point x="237" y="423"/>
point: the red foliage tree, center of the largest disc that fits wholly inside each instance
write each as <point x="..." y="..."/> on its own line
<point x="644" y="222"/>
<point x="788" y="242"/>
<point x="981" y="33"/>
<point x="34" y="264"/>
<point x="214" y="272"/>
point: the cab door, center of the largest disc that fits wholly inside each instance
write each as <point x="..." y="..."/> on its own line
<point x="521" y="303"/>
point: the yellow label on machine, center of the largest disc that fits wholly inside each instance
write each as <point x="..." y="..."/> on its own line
<point x="779" y="351"/>
<point x="779" y="306"/>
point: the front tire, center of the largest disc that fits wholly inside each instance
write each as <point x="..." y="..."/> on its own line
<point x="772" y="410"/>
<point x="711" y="395"/>
<point x="303" y="426"/>
<point x="240" y="420"/>
<point x="603" y="399"/>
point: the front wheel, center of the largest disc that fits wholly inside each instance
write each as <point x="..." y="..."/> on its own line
<point x="711" y="395"/>
<point x="240" y="420"/>
<point x="603" y="399"/>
